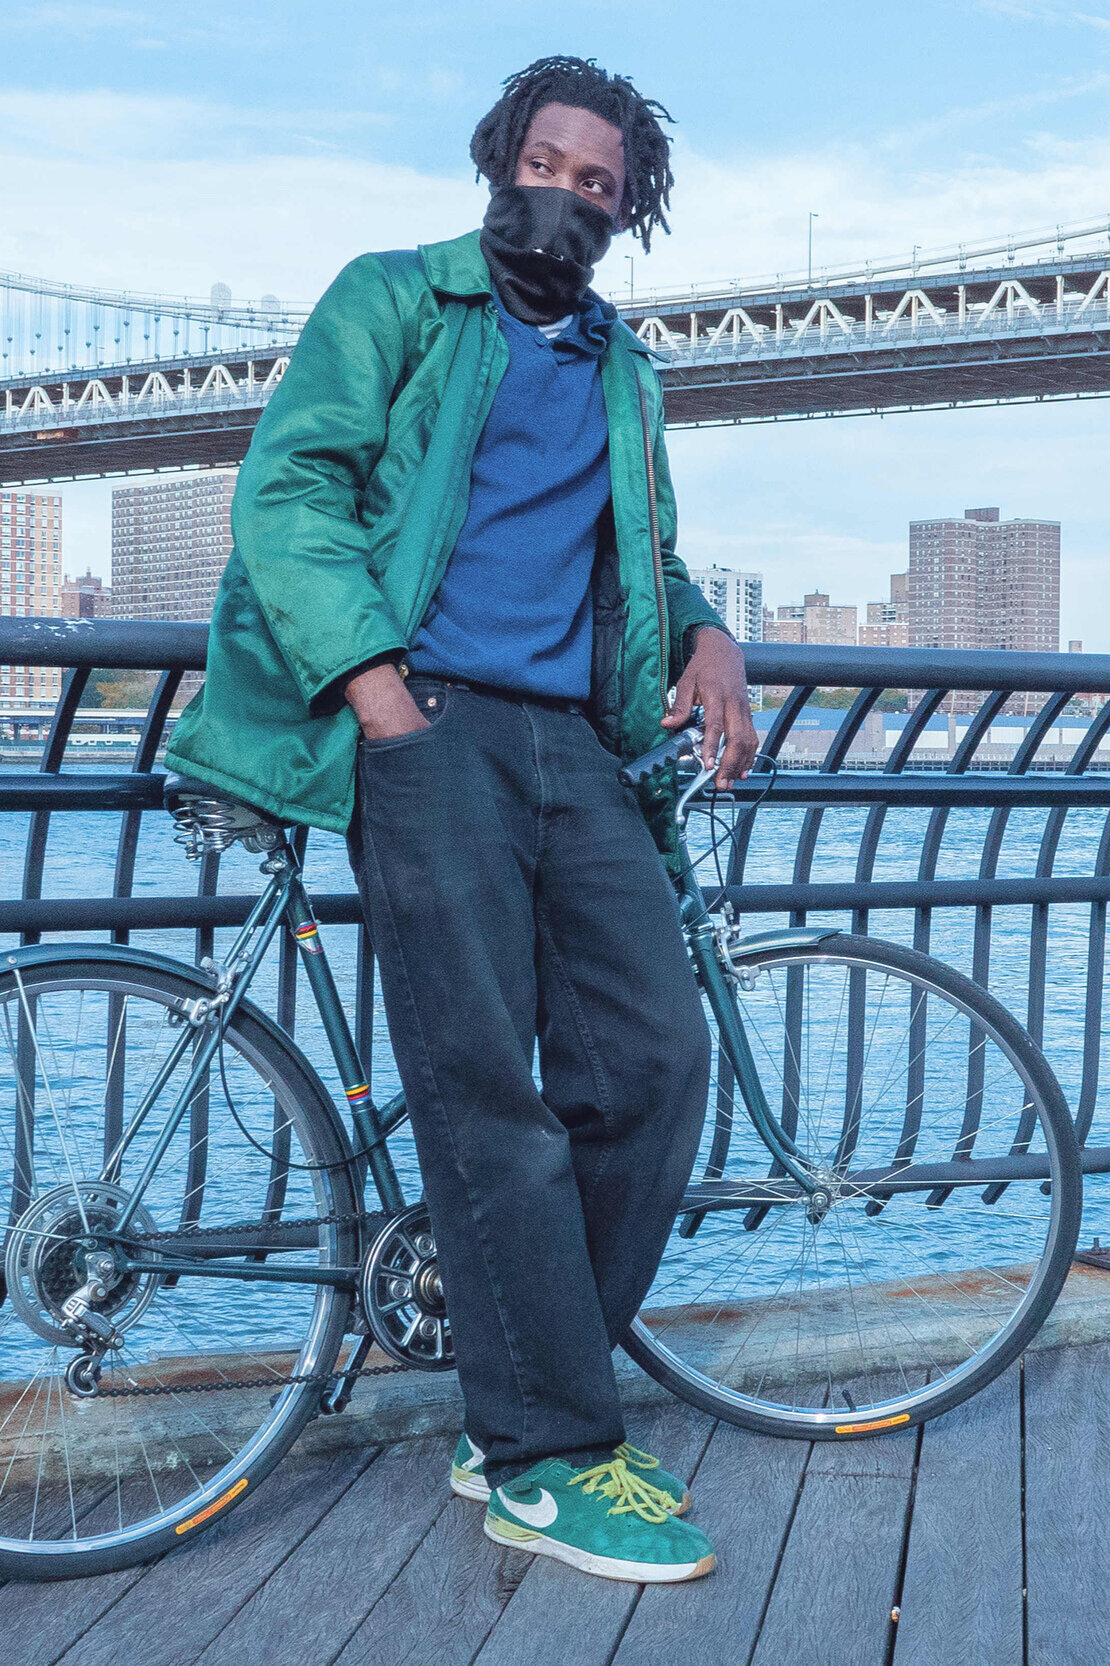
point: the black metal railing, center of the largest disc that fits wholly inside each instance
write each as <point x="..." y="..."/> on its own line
<point x="861" y="792"/>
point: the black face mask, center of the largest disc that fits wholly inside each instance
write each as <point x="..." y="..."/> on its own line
<point x="541" y="244"/>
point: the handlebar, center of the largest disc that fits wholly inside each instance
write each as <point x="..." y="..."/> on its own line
<point x="683" y="744"/>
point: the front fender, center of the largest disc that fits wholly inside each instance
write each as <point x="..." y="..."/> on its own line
<point x="786" y="937"/>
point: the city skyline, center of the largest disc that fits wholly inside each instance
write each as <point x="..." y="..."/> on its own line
<point x="171" y="536"/>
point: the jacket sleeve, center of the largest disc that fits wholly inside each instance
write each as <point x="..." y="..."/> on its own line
<point x="295" y="517"/>
<point x="687" y="608"/>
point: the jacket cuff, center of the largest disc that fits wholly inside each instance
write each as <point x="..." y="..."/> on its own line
<point x="333" y="696"/>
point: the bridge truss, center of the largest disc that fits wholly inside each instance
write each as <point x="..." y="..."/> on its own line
<point x="93" y="383"/>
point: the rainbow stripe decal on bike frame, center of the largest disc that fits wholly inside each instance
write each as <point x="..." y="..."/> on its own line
<point x="213" y="1509"/>
<point x="308" y="936"/>
<point x="357" y="1095"/>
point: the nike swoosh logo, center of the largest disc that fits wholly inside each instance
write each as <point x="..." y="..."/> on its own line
<point x="541" y="1514"/>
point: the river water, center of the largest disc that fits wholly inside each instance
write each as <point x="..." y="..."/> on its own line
<point x="81" y="855"/>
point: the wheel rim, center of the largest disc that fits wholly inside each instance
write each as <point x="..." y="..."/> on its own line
<point x="864" y="1314"/>
<point x="89" y="1474"/>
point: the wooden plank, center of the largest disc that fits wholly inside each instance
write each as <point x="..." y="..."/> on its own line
<point x="443" y="1602"/>
<point x="961" y="1601"/>
<point x="326" y="1588"/>
<point x="832" y="1597"/>
<point x="1067" y="1504"/>
<point x="557" y="1614"/>
<point x="39" y="1622"/>
<point x="746" y="1489"/>
<point x="186" y="1600"/>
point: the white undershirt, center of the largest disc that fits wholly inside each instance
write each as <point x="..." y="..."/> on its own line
<point x="556" y="329"/>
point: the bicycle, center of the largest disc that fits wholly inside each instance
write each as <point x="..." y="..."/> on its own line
<point x="191" y="1224"/>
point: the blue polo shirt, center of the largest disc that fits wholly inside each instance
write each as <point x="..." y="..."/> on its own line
<point x="515" y="607"/>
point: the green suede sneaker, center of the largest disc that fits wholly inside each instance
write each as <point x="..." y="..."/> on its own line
<point x="467" y="1476"/>
<point x="469" y="1481"/>
<point x="606" y="1520"/>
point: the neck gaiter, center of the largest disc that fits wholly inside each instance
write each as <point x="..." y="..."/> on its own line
<point x="541" y="244"/>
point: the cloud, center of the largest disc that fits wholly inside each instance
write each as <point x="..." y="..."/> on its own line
<point x="1043" y="11"/>
<point x="745" y="216"/>
<point x="195" y="192"/>
<point x="197" y="189"/>
<point x="80" y="20"/>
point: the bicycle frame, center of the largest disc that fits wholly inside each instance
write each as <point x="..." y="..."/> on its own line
<point x="285" y="901"/>
<point x="702" y="937"/>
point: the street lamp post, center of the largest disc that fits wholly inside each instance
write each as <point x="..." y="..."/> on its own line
<point x="631" y="259"/>
<point x="812" y="217"/>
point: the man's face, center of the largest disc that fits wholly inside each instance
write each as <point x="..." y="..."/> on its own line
<point x="577" y="150"/>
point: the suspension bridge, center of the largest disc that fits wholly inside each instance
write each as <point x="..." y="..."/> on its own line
<point x="96" y="382"/>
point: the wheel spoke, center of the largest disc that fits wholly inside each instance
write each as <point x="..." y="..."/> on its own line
<point x="99" y="1051"/>
<point x="781" y="1306"/>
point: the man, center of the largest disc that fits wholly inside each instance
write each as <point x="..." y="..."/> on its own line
<point x="454" y="605"/>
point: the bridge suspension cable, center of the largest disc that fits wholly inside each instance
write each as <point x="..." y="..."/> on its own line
<point x="53" y="327"/>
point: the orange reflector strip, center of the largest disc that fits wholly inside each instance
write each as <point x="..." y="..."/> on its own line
<point x="869" y="1428"/>
<point x="213" y="1509"/>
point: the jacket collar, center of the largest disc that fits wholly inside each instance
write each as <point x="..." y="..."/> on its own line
<point x="458" y="268"/>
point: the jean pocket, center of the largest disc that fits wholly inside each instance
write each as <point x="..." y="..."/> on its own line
<point x="431" y="699"/>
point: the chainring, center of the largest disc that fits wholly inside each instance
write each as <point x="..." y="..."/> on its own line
<point x="401" y="1293"/>
<point x="45" y="1258"/>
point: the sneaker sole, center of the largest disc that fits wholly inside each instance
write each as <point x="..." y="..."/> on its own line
<point x="605" y="1567"/>
<point x="467" y="1485"/>
<point x="471" y="1486"/>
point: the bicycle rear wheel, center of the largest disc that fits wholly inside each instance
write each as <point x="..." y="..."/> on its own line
<point x="947" y="1220"/>
<point x="97" y="1473"/>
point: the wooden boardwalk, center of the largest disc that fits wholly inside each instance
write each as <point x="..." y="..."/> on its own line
<point x="987" y="1534"/>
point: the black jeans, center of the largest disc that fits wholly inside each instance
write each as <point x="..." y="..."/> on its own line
<point x="514" y="894"/>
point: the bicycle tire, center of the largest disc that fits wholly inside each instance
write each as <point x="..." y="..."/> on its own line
<point x="926" y="1390"/>
<point x="254" y="1044"/>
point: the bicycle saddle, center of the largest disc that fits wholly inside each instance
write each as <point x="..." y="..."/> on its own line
<point x="208" y="821"/>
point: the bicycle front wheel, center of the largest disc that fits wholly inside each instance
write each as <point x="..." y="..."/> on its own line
<point x="946" y="1216"/>
<point x="106" y="1462"/>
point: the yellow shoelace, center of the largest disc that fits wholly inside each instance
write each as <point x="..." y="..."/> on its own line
<point x="632" y="1455"/>
<point x="628" y="1492"/>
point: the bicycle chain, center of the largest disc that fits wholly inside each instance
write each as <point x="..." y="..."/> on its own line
<point x="152" y="1390"/>
<point x="146" y="1391"/>
<point x="359" y="1218"/>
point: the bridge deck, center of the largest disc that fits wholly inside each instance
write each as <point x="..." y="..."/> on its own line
<point x="360" y="1557"/>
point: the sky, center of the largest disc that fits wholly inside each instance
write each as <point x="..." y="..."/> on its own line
<point x="262" y="144"/>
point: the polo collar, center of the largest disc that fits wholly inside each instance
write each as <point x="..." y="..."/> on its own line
<point x="458" y="268"/>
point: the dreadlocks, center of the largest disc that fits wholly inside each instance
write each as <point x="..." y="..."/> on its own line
<point x="579" y="82"/>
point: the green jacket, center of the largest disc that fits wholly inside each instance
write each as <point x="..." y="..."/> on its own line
<point x="348" y="506"/>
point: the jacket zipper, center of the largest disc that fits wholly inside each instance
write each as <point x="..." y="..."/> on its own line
<point x="656" y="554"/>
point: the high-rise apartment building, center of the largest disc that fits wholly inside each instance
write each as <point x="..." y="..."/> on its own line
<point x="816" y="620"/>
<point x="30" y="583"/>
<point x="85" y="597"/>
<point x="737" y="597"/>
<point x="170" y="542"/>
<point x="888" y="623"/>
<point x="981" y="582"/>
